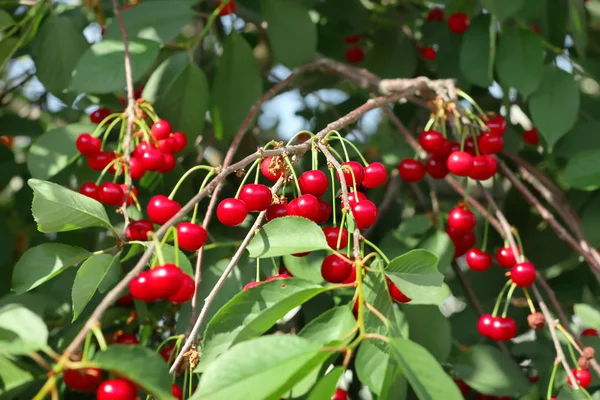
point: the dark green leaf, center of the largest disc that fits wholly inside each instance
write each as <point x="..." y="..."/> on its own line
<point x="100" y="69"/>
<point x="43" y="262"/>
<point x="488" y="370"/>
<point x="325" y="388"/>
<point x="590" y="316"/>
<point x="5" y="20"/>
<point x="291" y="32"/>
<point x="554" y="105"/>
<point x="503" y="9"/>
<point x="138" y="364"/>
<point x="239" y="78"/>
<point x="579" y="140"/>
<point x="555" y="22"/>
<point x="578" y="26"/>
<point x="13" y="378"/>
<point x="334" y="324"/>
<point x="475" y="52"/>
<point x="307" y="267"/>
<point x="568" y="393"/>
<point x="7" y="48"/>
<point x="583" y="171"/>
<point x="393" y="55"/>
<point x="89" y="276"/>
<point x="520" y="59"/>
<point x="21" y="330"/>
<point x="287" y="235"/>
<point x="416" y="225"/>
<point x="429" y="328"/>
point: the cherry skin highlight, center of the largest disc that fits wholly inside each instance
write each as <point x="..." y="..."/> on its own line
<point x="364" y="213"/>
<point x="267" y="171"/>
<point x="313" y="182"/>
<point x="90" y="189"/>
<point x="232" y="212"/>
<point x="190" y="236"/>
<point x="138" y="230"/>
<point x="88" y="145"/>
<point x="411" y="170"/>
<point x="478" y="260"/>
<point x="111" y="194"/>
<point x="496" y="125"/>
<point x="276" y="211"/>
<point x="83" y="380"/>
<point x="436" y="167"/>
<point x="116" y="389"/>
<point x="460" y="163"/>
<point x="461" y="220"/>
<point x="161" y="129"/>
<point x="505" y="257"/>
<point x="335" y="269"/>
<point x="583" y="377"/>
<point x="484" y="325"/>
<point x="374" y="175"/>
<point x="523" y="274"/>
<point x="332" y="235"/>
<point x="257" y="197"/>
<point x="140" y="288"/>
<point x="165" y="280"/>
<point x="306" y="206"/>
<point x="353" y="173"/>
<point x="160" y="209"/>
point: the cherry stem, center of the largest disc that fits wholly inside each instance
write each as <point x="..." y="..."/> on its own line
<point x="430" y="123"/>
<point x="298" y="134"/>
<point x="470" y="100"/>
<point x="334" y="206"/>
<point x="342" y="141"/>
<point x="245" y="178"/>
<point x="486" y="230"/>
<point x="314" y="154"/>
<point x="188" y="173"/>
<point x="96" y="132"/>
<point x="443" y="129"/>
<point x="110" y="127"/>
<point x="110" y="164"/>
<point x="353" y="181"/>
<point x="474" y="136"/>
<point x="204" y="183"/>
<point x="99" y="337"/>
<point x="377" y="249"/>
<point x="157" y="245"/>
<point x="86" y="346"/>
<point x="529" y="301"/>
<point x="167" y="340"/>
<point x="476" y="118"/>
<point x="569" y="337"/>
<point x="175" y="243"/>
<point x="209" y="22"/>
<point x="334" y="151"/>
<point x="508" y="297"/>
<point x="515" y="233"/>
<point x="500" y="297"/>
<point x="150" y="111"/>
<point x="258" y="270"/>
<point x="551" y="383"/>
<point x="340" y="231"/>
<point x="289" y="163"/>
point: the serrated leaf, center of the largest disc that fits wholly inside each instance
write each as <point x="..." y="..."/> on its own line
<point x="100" y="68"/>
<point x="503" y="9"/>
<point x="51" y="152"/>
<point x="334" y="324"/>
<point x="41" y="263"/>
<point x="583" y="171"/>
<point x="89" y="277"/>
<point x="325" y="388"/>
<point x="58" y="209"/>
<point x="21" y="330"/>
<point x="138" y="364"/>
<point x="474" y="56"/>
<point x="429" y="328"/>
<point x="590" y="316"/>
<point x="287" y="235"/>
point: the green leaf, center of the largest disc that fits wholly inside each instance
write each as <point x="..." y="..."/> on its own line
<point x="138" y="364"/>
<point x="474" y="56"/>
<point x="179" y="91"/>
<point x="239" y="78"/>
<point x="7" y="48"/>
<point x="325" y="388"/>
<point x="160" y="21"/>
<point x="292" y="34"/>
<point x="54" y="150"/>
<point x="56" y="49"/>
<point x="554" y="105"/>
<point x="333" y="325"/>
<point x="88" y="279"/>
<point x="520" y="59"/>
<point x="393" y="55"/>
<point x="583" y="171"/>
<point x="5" y="20"/>
<point x="502" y="9"/>
<point x="429" y="328"/>
<point x="579" y="140"/>
<point x="590" y="316"/>
<point x="41" y="263"/>
<point x="58" y="209"/>
<point x="307" y="267"/>
<point x="262" y="368"/>
<point x="568" y="393"/>
<point x="426" y="377"/>
<point x="440" y="244"/>
<point x="100" y="69"/>
<point x="252" y="312"/>
<point x="13" y="378"/>
<point x="21" y="330"/>
<point x="578" y="26"/>
<point x="488" y="370"/>
<point x="287" y="235"/>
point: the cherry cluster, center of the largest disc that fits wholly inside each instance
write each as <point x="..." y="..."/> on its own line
<point x="457" y="22"/>
<point x="354" y="53"/>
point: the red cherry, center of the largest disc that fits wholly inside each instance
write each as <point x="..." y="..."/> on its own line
<point x="140" y="289"/>
<point x="90" y="189"/>
<point x="306" y="206"/>
<point x="185" y="292"/>
<point x="160" y="209"/>
<point x="435" y="14"/>
<point x="335" y="269"/>
<point x="582" y="376"/>
<point x="111" y="194"/>
<point x="523" y="274"/>
<point x="313" y="182"/>
<point x="340" y="394"/>
<point x="490" y="144"/>
<point x="531" y="137"/>
<point x="232" y="212"/>
<point x="436" y="167"/>
<point x="167" y="145"/>
<point x="257" y="197"/>
<point x="496" y="125"/>
<point x="355" y="54"/>
<point x="411" y="170"/>
<point x="352" y="39"/>
<point x="126" y="300"/>
<point x="161" y="129"/>
<point x="99" y="115"/>
<point x="250" y="285"/>
<point x="152" y="159"/>
<point x="462" y="241"/>
<point x="278" y="276"/>
<point x="88" y="145"/>
<point x="181" y="141"/>
<point x="333" y="234"/>
<point x="83" y="380"/>
<point x="505" y="257"/>
<point x="461" y="219"/>
<point x="284" y="270"/>
<point x="166" y="352"/>
<point x="136" y="168"/>
<point x="169" y="163"/>
<point x="589" y="332"/>
<point x="176" y="391"/>
<point x="374" y="175"/>
<point x="353" y="172"/>
<point x="127" y="338"/>
<point x="276" y="211"/>
<point x="478" y="260"/>
<point x="484" y="325"/>
<point x="228" y="9"/>
<point x="165" y="280"/>
<point x="458" y="22"/>
<point x="432" y="141"/>
<point x="396" y="293"/>
<point x="353" y="197"/>
<point x="99" y="161"/>
<point x="427" y="53"/>
<point x="138" y="230"/>
<point x="352" y="277"/>
<point x="116" y="389"/>
<point x="190" y="236"/>
<point x="503" y="328"/>
<point x="324" y="212"/>
<point x="141" y="148"/>
<point x="482" y="168"/>
<point x="264" y="169"/>
<point x="364" y="213"/>
<point x="470" y="146"/>
<point x="133" y="193"/>
<point x="460" y="163"/>
<point x="137" y="93"/>
<point x="463" y="387"/>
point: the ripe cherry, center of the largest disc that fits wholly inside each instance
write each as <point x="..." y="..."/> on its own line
<point x="324" y="212"/>
<point x="228" y="9"/>
<point x="333" y="234"/>
<point x="335" y="269"/>
<point x="276" y="211"/>
<point x="160" y="209"/>
<point x="190" y="236"/>
<point x="469" y="146"/>
<point x="355" y="54"/>
<point x="396" y="293"/>
<point x="88" y="145"/>
<point x="176" y="391"/>
<point x="589" y="332"/>
<point x="161" y="129"/>
<point x="503" y="328"/>
<point x="411" y="170"/>
<point x="250" y="285"/>
<point x="116" y="389"/>
<point x="141" y="148"/>
<point x="496" y="125"/>
<point x="99" y="115"/>
<point x="306" y="206"/>
<point x="313" y="182"/>
<point x="185" y="292"/>
<point x="271" y="173"/>
<point x="90" y="189"/>
<point x="99" y="161"/>
<point x="83" y="380"/>
<point x="111" y="194"/>
<point x="166" y="352"/>
<point x="232" y="212"/>
<point x="484" y="167"/>
<point x="478" y="260"/>
<point x="257" y="197"/>
<point x="374" y="175"/>
<point x="168" y="164"/>
<point x="435" y="14"/>
<point x="458" y="22"/>
<point x="460" y="163"/>
<point x="364" y="213"/>
<point x="136" y="168"/>
<point x="582" y="376"/>
<point x="427" y="53"/>
<point x="138" y="230"/>
<point x="461" y="220"/>
<point x="353" y="197"/>
<point x="431" y="141"/>
<point x="181" y="141"/>
<point x="463" y="387"/>
<point x="462" y="241"/>
<point x="152" y="159"/>
<point x="352" y="277"/>
<point x="523" y="274"/>
<point x="127" y="338"/>
<point x="340" y="394"/>
<point x="484" y="325"/>
<point x="140" y="289"/>
<point x="165" y="280"/>
<point x="531" y="137"/>
<point x="126" y="300"/>
<point x="352" y="39"/>
<point x="167" y="145"/>
<point x="353" y="173"/>
<point x="505" y="257"/>
<point x="490" y="144"/>
<point x="436" y="167"/>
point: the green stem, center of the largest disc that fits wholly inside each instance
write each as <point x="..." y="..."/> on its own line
<point x="314" y="155"/>
<point x="189" y="171"/>
<point x="121" y="135"/>
<point x="298" y="134"/>
<point x="211" y="20"/>
<point x="86" y="346"/>
<point x="110" y="127"/>
<point x="333" y="199"/>
<point x="500" y="297"/>
<point x="486" y="230"/>
<point x="344" y="140"/>
<point x="159" y="254"/>
<point x="377" y="249"/>
<point x="99" y="337"/>
<point x="289" y="163"/>
<point x="344" y="213"/>
<point x="551" y="383"/>
<point x="204" y="183"/>
<point x="470" y="100"/>
<point x="98" y="128"/>
<point x="245" y="178"/>
<point x="508" y="297"/>
<point x="430" y="124"/>
<point x="110" y="164"/>
<point x="335" y="153"/>
<point x="149" y="111"/>
<point x="176" y="244"/>
<point x="258" y="270"/>
<point x="515" y="233"/>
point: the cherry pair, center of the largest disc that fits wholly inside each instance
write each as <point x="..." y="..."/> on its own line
<point x="497" y="328"/>
<point x="461" y="222"/>
<point x="163" y="282"/>
<point x="109" y="193"/>
<point x="371" y="176"/>
<point x="252" y="197"/>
